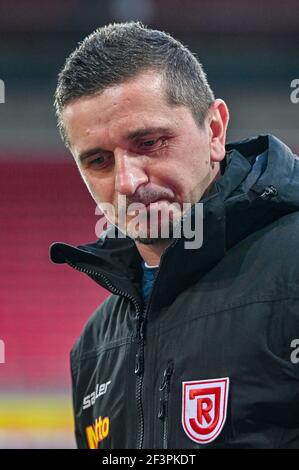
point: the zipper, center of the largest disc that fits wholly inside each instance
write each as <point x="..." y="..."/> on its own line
<point x="139" y="364"/>
<point x="107" y="283"/>
<point x="139" y="369"/>
<point x="164" y="390"/>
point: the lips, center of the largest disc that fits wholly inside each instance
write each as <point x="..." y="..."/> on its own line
<point x="149" y="194"/>
<point x="146" y="205"/>
<point x="154" y="200"/>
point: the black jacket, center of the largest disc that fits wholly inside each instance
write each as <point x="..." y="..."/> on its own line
<point x="208" y="361"/>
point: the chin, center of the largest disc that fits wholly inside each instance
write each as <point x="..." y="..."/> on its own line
<point x="147" y="241"/>
<point x="144" y="236"/>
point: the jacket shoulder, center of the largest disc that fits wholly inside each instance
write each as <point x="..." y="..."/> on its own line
<point x="87" y="340"/>
<point x="271" y="255"/>
<point x="110" y="324"/>
<point x="282" y="236"/>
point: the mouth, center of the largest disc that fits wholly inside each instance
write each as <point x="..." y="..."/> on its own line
<point x="148" y="205"/>
<point x="155" y="201"/>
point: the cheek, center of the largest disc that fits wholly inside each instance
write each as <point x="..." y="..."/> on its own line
<point x="197" y="162"/>
<point x="191" y="171"/>
<point x="101" y="189"/>
<point x="167" y="174"/>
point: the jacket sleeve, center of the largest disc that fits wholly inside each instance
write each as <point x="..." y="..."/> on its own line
<point x="79" y="435"/>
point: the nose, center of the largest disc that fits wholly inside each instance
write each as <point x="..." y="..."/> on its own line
<point x="129" y="172"/>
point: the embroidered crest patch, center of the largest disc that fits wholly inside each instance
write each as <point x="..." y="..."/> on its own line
<point x="204" y="408"/>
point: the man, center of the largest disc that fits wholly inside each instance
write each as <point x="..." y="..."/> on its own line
<point x="193" y="346"/>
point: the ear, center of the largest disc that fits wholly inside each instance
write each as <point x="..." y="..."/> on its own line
<point x="218" y="120"/>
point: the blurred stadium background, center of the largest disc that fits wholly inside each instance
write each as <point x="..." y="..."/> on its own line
<point x="250" y="52"/>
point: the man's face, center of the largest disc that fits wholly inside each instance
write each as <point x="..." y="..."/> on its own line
<point x="128" y="141"/>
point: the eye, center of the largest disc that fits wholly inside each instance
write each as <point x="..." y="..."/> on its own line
<point x="100" y="161"/>
<point x="153" y="144"/>
<point x="149" y="143"/>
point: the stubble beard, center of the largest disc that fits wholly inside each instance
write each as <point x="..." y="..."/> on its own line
<point x="158" y="239"/>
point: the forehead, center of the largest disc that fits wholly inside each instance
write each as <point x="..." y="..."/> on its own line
<point x="118" y="110"/>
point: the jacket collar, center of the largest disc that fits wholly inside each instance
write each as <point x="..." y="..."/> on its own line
<point x="230" y="214"/>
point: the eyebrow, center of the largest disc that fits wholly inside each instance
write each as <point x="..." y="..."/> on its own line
<point x="139" y="133"/>
<point x="136" y="134"/>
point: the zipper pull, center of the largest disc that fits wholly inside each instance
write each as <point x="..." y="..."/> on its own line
<point x="138" y="365"/>
<point x="142" y="330"/>
<point x="164" y="390"/>
<point x="166" y="377"/>
<point x="268" y="193"/>
<point x="161" y="413"/>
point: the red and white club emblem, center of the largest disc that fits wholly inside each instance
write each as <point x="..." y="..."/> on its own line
<point x="204" y="408"/>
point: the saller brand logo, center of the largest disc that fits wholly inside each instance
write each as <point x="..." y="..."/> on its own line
<point x="100" y="390"/>
<point x="204" y="408"/>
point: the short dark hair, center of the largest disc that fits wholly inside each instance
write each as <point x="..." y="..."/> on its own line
<point x="115" y="53"/>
